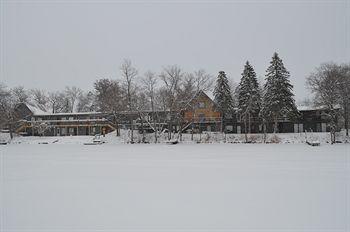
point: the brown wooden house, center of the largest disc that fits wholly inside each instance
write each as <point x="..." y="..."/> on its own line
<point x="200" y="114"/>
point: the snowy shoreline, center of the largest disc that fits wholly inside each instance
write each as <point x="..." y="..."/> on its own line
<point x="204" y="138"/>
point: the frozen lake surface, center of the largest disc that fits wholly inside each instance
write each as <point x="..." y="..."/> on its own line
<point x="186" y="187"/>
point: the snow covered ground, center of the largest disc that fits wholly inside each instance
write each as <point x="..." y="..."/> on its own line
<point x="206" y="137"/>
<point x="186" y="187"/>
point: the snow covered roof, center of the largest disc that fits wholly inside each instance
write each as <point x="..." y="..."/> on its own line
<point x="63" y="114"/>
<point x="35" y="110"/>
<point x="303" y="108"/>
<point x="306" y="108"/>
<point x="39" y="112"/>
<point x="209" y="94"/>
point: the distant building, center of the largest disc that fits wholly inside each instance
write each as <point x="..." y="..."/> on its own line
<point x="38" y="122"/>
<point x="202" y="115"/>
<point x="199" y="115"/>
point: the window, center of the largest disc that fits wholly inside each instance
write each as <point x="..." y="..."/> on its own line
<point x="201" y="105"/>
<point x="201" y="117"/>
<point x="238" y="129"/>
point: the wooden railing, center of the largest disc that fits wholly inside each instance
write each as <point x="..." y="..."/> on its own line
<point x="203" y="119"/>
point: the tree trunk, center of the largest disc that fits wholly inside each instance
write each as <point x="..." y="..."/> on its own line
<point x="332" y="131"/>
<point x="155" y="129"/>
<point x="154" y="118"/>
<point x="332" y="136"/>
<point x="275" y="126"/>
<point x="222" y="124"/>
<point x="245" y="129"/>
<point x="10" y="128"/>
<point x="264" y="130"/>
<point x="116" y="126"/>
<point x="249" y="124"/>
<point x="346" y="119"/>
<point x="132" y="131"/>
<point x="143" y="131"/>
<point x="193" y="118"/>
<point x="333" y="126"/>
<point x="170" y="129"/>
<point x="192" y="132"/>
<point x="180" y="132"/>
<point x="118" y="129"/>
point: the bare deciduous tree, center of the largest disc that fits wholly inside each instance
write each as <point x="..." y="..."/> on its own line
<point x="203" y="81"/>
<point x="141" y="105"/>
<point x="109" y="97"/>
<point x="86" y="102"/>
<point x="39" y="98"/>
<point x="72" y="94"/>
<point x="8" y="115"/>
<point x="149" y="84"/>
<point x="188" y="87"/>
<point x="172" y="77"/>
<point x="129" y="73"/>
<point x="56" y="101"/>
<point x="20" y="94"/>
<point x="344" y="93"/>
<point x="324" y="84"/>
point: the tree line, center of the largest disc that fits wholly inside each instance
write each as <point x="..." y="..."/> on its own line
<point x="172" y="88"/>
<point x="330" y="84"/>
<point x="268" y="103"/>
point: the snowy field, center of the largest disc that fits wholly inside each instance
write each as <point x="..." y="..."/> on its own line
<point x="185" y="187"/>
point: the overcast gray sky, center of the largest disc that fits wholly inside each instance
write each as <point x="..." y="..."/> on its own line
<point x="51" y="44"/>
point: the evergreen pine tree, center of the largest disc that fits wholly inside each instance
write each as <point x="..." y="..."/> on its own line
<point x="278" y="99"/>
<point x="249" y="98"/>
<point x="223" y="97"/>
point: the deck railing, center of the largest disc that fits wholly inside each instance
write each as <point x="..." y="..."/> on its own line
<point x="204" y="119"/>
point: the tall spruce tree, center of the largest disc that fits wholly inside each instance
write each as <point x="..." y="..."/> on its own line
<point x="223" y="97"/>
<point x="278" y="99"/>
<point x="249" y="98"/>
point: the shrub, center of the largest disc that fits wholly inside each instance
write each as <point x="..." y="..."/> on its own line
<point x="275" y="139"/>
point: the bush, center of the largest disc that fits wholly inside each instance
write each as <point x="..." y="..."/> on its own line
<point x="275" y="139"/>
<point x="253" y="138"/>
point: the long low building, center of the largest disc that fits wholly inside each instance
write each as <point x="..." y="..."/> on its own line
<point x="199" y="115"/>
<point x="35" y="121"/>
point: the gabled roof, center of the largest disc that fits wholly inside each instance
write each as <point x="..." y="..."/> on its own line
<point x="35" y="110"/>
<point x="196" y="95"/>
